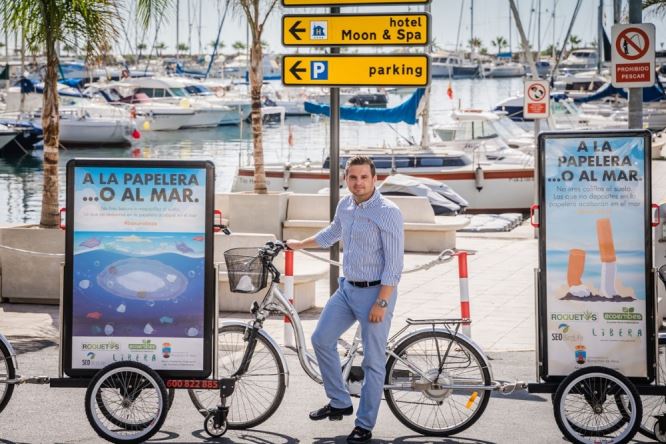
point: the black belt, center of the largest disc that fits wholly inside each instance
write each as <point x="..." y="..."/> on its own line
<point x="364" y="284"/>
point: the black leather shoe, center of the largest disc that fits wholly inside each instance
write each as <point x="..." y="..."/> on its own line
<point x="359" y="435"/>
<point x="331" y="413"/>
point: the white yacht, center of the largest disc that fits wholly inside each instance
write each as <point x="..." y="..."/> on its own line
<point x="82" y="121"/>
<point x="583" y="59"/>
<point x="172" y="90"/>
<point x="452" y="66"/>
<point x="501" y="69"/>
<point x="501" y="139"/>
<point x="149" y="115"/>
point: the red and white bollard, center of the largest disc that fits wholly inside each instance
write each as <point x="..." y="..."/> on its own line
<point x="289" y="294"/>
<point x="464" y="293"/>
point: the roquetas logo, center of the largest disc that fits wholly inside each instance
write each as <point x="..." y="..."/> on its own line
<point x="582" y="316"/>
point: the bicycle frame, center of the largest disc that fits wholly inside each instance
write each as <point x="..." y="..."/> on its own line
<point x="275" y="301"/>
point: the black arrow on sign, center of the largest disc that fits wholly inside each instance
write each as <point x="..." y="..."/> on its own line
<point x="294" y="70"/>
<point x="294" y="30"/>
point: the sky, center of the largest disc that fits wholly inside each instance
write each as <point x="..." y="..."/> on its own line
<point x="491" y="19"/>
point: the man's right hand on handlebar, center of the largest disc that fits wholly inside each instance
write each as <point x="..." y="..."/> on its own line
<point x="310" y="242"/>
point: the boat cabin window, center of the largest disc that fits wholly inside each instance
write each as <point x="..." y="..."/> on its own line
<point x="152" y="92"/>
<point x="475" y="130"/>
<point x="380" y="162"/>
<point x="178" y="92"/>
<point x="438" y="161"/>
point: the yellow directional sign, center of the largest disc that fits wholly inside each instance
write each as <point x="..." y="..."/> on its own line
<point x="302" y="3"/>
<point x="356" y="30"/>
<point x="356" y="70"/>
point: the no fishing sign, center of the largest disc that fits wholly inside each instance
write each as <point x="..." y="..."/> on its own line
<point x="633" y="55"/>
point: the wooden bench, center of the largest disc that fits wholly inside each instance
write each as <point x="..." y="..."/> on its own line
<point x="308" y="213"/>
<point x="307" y="272"/>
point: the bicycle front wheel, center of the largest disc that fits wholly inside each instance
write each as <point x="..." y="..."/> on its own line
<point x="418" y="399"/>
<point x="7" y="371"/>
<point x="258" y="392"/>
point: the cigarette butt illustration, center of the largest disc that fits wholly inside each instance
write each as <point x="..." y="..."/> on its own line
<point x="576" y="267"/>
<point x="605" y="237"/>
<point x="608" y="259"/>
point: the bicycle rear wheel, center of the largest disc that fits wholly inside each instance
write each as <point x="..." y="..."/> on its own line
<point x="258" y="393"/>
<point x="424" y="407"/>
<point x="7" y="371"/>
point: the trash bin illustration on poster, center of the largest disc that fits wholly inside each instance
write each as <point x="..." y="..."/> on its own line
<point x="138" y="267"/>
<point x="596" y="252"/>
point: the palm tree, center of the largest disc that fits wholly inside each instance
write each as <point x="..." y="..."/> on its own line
<point x="141" y="47"/>
<point x="574" y="41"/>
<point x="46" y="23"/>
<point x="474" y="42"/>
<point x="256" y="17"/>
<point x="499" y="43"/>
<point x="238" y="45"/>
<point x="161" y="46"/>
<point x="182" y="47"/>
<point x="220" y="45"/>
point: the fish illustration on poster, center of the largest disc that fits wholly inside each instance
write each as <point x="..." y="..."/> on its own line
<point x="595" y="251"/>
<point x="139" y="266"/>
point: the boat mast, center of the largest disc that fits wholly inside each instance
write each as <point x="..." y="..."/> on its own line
<point x="538" y="29"/>
<point x="552" y="46"/>
<point x="177" y="27"/>
<point x="600" y="35"/>
<point x="425" y="114"/>
<point x="566" y="37"/>
<point x="462" y="7"/>
<point x="471" y="29"/>
<point x="523" y="40"/>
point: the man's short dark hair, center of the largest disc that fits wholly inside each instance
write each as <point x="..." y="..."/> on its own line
<point x="361" y="160"/>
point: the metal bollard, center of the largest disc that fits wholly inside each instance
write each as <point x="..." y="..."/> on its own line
<point x="464" y="293"/>
<point x="289" y="294"/>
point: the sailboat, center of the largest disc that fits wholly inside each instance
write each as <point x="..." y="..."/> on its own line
<point x="486" y="184"/>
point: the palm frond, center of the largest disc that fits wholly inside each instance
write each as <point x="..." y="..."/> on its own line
<point x="659" y="7"/>
<point x="153" y="11"/>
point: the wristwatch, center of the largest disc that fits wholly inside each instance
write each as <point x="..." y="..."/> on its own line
<point x="382" y="302"/>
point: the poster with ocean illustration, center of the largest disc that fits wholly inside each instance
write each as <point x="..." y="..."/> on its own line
<point x="139" y="270"/>
<point x="595" y="250"/>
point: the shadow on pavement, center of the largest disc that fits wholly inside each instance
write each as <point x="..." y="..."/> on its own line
<point x="416" y="439"/>
<point x="245" y="436"/>
<point x="25" y="344"/>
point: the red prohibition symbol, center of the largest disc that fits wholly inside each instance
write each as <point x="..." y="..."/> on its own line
<point x="536" y="92"/>
<point x="628" y="39"/>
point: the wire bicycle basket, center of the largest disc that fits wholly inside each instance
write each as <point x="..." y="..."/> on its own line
<point x="246" y="270"/>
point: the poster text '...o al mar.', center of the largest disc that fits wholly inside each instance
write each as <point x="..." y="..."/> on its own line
<point x="356" y="70"/>
<point x="595" y="253"/>
<point x="356" y="30"/>
<point x="146" y="199"/>
<point x="302" y="3"/>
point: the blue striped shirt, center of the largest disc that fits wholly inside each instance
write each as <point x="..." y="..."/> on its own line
<point x="373" y="238"/>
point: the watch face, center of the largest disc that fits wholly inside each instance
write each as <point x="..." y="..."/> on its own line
<point x="382" y="303"/>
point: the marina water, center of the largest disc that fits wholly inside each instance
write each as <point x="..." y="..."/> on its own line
<point x="229" y="146"/>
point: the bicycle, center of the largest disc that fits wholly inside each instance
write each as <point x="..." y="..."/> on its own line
<point x="437" y="380"/>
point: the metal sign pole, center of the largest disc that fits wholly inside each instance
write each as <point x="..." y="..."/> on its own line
<point x="334" y="180"/>
<point x="635" y="94"/>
